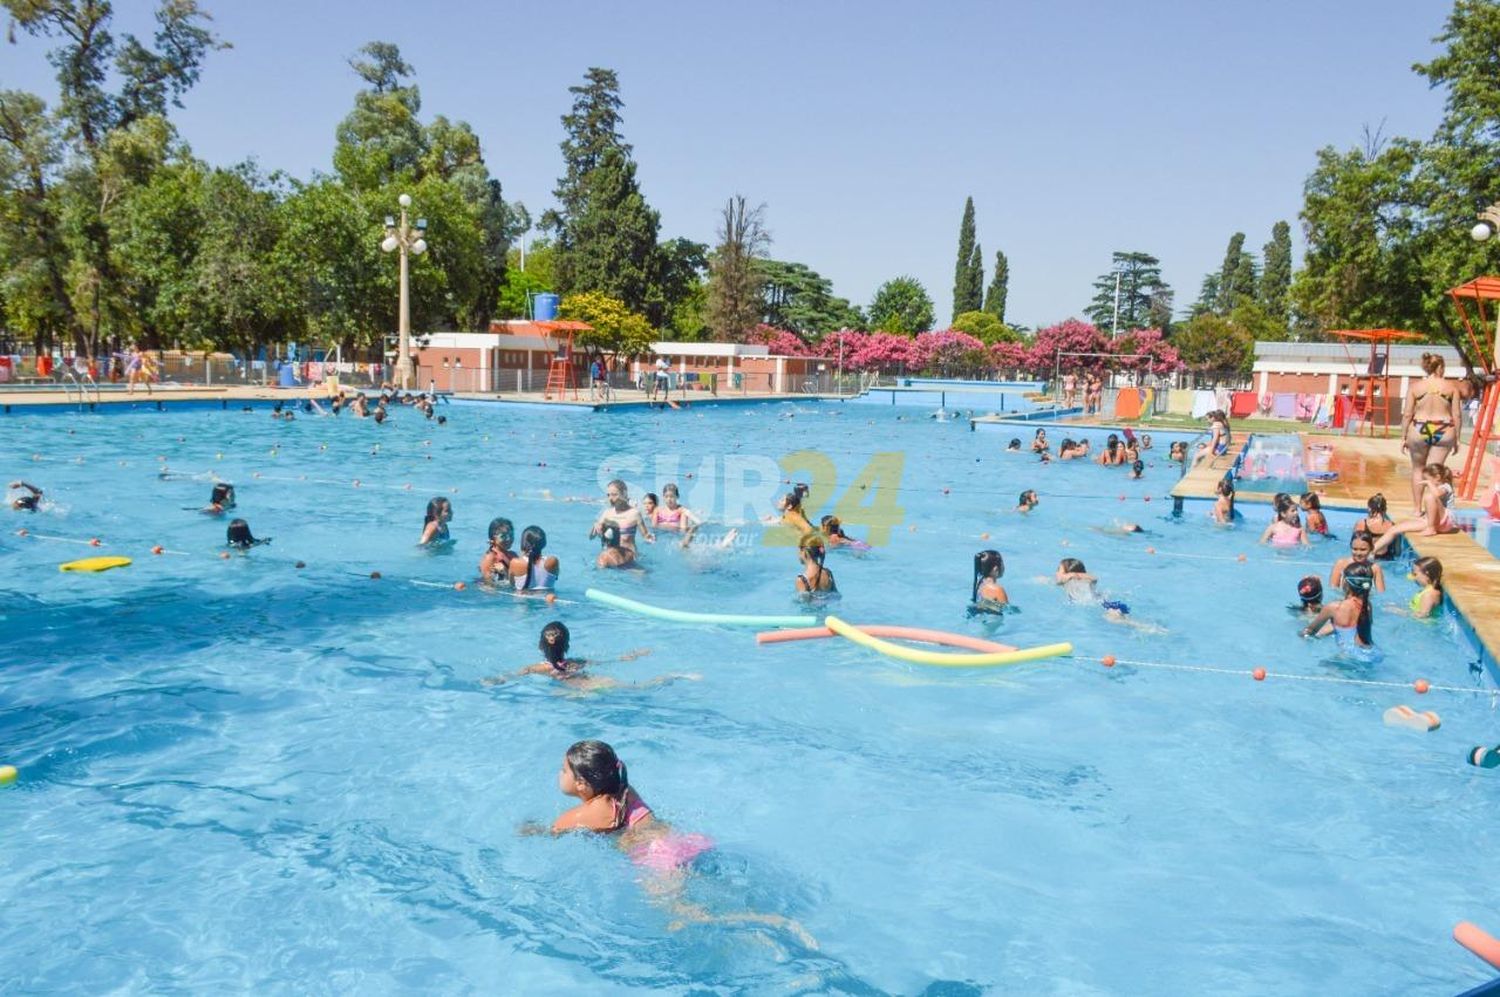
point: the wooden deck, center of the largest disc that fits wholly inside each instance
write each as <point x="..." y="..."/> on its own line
<point x="1471" y="574"/>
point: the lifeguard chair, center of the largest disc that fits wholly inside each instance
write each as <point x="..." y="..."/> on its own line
<point x="560" y="378"/>
<point x="1478" y="291"/>
<point x="1372" y="386"/>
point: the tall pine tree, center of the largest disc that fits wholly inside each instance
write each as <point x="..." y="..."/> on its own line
<point x="994" y="298"/>
<point x="1276" y="277"/>
<point x="976" y="276"/>
<point x="1145" y="300"/>
<point x="967" y="290"/>
<point x="614" y="236"/>
<point x="1236" y="276"/>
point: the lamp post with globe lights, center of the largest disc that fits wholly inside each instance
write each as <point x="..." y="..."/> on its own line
<point x="410" y="240"/>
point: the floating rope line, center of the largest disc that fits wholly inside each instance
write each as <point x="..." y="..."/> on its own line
<point x="1260" y="674"/>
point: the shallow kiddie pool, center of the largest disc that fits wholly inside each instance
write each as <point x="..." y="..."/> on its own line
<point x="238" y="774"/>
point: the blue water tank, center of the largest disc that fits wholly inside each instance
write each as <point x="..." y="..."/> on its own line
<point x="544" y="307"/>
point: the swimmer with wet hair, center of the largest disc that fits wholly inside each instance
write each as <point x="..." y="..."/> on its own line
<point x="613" y="554"/>
<point x="238" y="536"/>
<point x="220" y="499"/>
<point x="1014" y="445"/>
<point x="435" y="522"/>
<point x="1028" y="501"/>
<point x="1080" y="586"/>
<point x="1351" y="616"/>
<point x="494" y="566"/>
<point x="28" y="502"/>
<point x="986" y="594"/>
<point x="534" y="570"/>
<point x="557" y="664"/>
<point x="814" y="579"/>
<point x="1137" y="468"/>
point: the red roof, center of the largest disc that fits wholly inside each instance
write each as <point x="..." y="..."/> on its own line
<point x="1481" y="288"/>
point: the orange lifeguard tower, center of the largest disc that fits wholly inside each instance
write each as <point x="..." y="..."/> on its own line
<point x="560" y="372"/>
<point x="1372" y="387"/>
<point x="1478" y="291"/>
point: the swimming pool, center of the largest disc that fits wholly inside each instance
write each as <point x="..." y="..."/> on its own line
<point x="238" y="774"/>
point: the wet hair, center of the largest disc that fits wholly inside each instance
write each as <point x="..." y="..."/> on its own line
<point x="814" y="547"/>
<point x="1072" y="566"/>
<point x="1362" y="536"/>
<point x="1066" y="444"/>
<point x="1112" y="439"/>
<point x="793" y="501"/>
<point x="1039" y="434"/>
<point x="1281" y="502"/>
<point x="986" y="562"/>
<point x="1432" y="568"/>
<point x="801" y="490"/>
<point x="1358" y="578"/>
<point x="651" y="497"/>
<point x="435" y="506"/>
<point x="609" y="535"/>
<point x="1015" y="443"/>
<point x="1310" y="501"/>
<point x="624" y="489"/>
<point x="380" y="414"/>
<point x="26" y="502"/>
<point x="533" y="542"/>
<point x="1440" y="472"/>
<point x="1433" y="364"/>
<point x="500" y="525"/>
<point x="222" y="494"/>
<point x="598" y="767"/>
<point x="1138" y="466"/>
<point x="238" y="535"/>
<point x="1225" y="487"/>
<point x="556" y="653"/>
<point x="1377" y="506"/>
<point x="670" y="488"/>
<point x="831" y="526"/>
<point x="442" y="420"/>
<point x="1032" y="493"/>
<point x="1310" y="589"/>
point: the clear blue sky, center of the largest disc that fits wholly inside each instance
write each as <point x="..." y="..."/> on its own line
<point x="1079" y="128"/>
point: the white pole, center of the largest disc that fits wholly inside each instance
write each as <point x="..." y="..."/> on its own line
<point x="1117" y="304"/>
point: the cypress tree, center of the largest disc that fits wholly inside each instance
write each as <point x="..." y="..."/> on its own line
<point x="966" y="290"/>
<point x="1225" y="302"/>
<point x="1276" y="278"/>
<point x="976" y="277"/>
<point x="994" y="298"/>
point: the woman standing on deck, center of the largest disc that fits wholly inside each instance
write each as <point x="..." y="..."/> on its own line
<point x="1434" y="416"/>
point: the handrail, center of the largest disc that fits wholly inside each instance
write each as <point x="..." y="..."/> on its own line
<point x="70" y="381"/>
<point x="88" y="379"/>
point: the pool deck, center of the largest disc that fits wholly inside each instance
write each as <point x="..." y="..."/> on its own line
<point x="13" y="400"/>
<point x="1365" y="465"/>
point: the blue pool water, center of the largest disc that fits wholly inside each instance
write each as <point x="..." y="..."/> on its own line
<point x="237" y="774"/>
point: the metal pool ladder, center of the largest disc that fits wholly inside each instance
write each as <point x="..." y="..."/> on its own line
<point x="83" y="386"/>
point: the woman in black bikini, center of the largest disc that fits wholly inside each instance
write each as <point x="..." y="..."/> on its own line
<point x="1433" y="419"/>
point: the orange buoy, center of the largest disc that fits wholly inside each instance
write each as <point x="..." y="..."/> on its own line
<point x="157" y="549"/>
<point x="1259" y="674"/>
<point x="95" y="542"/>
<point x="1421" y="685"/>
<point x="551" y="598"/>
<point x="459" y="586"/>
<point x="1108" y="661"/>
<point x="984" y="536"/>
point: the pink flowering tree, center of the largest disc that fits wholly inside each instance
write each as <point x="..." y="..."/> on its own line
<point x="948" y="351"/>
<point x="1161" y="357"/>
<point x="1071" y="336"/>
<point x="884" y="351"/>
<point x="781" y="342"/>
<point x="1012" y="357"/>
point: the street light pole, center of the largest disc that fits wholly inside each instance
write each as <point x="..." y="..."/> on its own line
<point x="410" y="240"/>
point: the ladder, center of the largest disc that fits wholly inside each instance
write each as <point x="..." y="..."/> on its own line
<point x="1479" y="290"/>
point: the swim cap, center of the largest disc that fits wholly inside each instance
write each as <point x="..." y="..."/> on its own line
<point x="1310" y="589"/>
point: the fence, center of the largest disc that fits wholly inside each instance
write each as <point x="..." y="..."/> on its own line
<point x="624" y="387"/>
<point x="190" y="370"/>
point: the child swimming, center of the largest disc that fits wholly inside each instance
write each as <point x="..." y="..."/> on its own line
<point x="238" y="536"/>
<point x="1027" y="501"/>
<point x="220" y="499"/>
<point x="1317" y="523"/>
<point x="435" y="522"/>
<point x="1351" y="616"/>
<point x="986" y="594"/>
<point x="1428" y="572"/>
<point x="1361" y="547"/>
<point x="1080" y="586"/>
<point x="554" y="643"/>
<point x="28" y="502"/>
<point x="833" y="530"/>
<point x="1223" y="510"/>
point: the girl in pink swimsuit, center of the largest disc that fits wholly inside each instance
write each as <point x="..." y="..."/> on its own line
<point x="1436" y="512"/>
<point x="1286" y="529"/>
<point x="672" y="515"/>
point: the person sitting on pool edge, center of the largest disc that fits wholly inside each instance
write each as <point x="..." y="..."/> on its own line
<point x="1437" y="510"/>
<point x="612" y="554"/>
<point x="220" y="499"/>
<point x="494" y="566"/>
<point x="986" y="594"/>
<point x="28" y="502"/>
<point x="1361" y="547"/>
<point x="1351" y="616"/>
<point x="814" y="579"/>
<point x="435" y="522"/>
<point x="238" y="536"/>
<point x="533" y="570"/>
<point x="1027" y="501"/>
<point x="1428" y="572"/>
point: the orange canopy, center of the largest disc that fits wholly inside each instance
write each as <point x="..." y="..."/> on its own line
<point x="1374" y="335"/>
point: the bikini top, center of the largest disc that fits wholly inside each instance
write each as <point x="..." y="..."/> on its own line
<point x="632" y="811"/>
<point x="1416" y="600"/>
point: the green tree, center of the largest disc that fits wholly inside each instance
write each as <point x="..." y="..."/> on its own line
<point x="381" y="141"/>
<point x="994" y="298"/>
<point x="1208" y="296"/>
<point x="612" y="246"/>
<point x="33" y="259"/>
<point x="966" y="290"/>
<point x="1145" y="300"/>
<point x="1238" y="277"/>
<point x="985" y="327"/>
<point x="616" y="329"/>
<point x="592" y="128"/>
<point x="734" y="278"/>
<point x="901" y="305"/>
<point x="1276" y="278"/>
<point x="678" y="292"/>
<point x="799" y="299"/>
